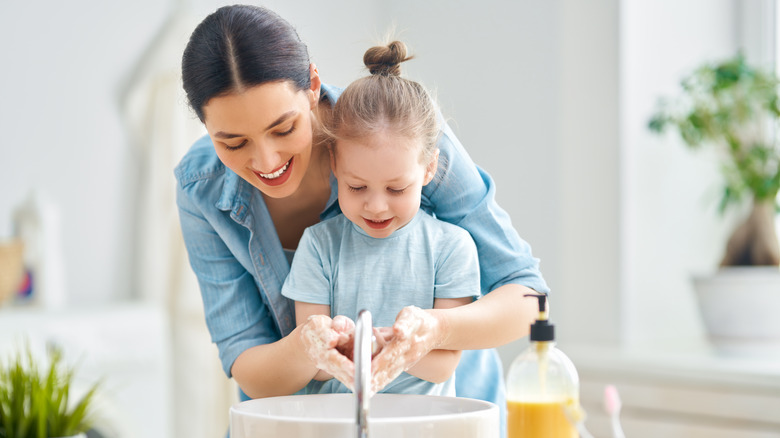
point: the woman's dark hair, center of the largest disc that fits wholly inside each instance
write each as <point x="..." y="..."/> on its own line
<point x="238" y="47"/>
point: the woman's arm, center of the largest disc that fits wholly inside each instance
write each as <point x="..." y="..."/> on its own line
<point x="278" y="368"/>
<point x="302" y="313"/>
<point x="240" y="322"/>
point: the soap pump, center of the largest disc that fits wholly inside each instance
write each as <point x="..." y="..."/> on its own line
<point x="542" y="386"/>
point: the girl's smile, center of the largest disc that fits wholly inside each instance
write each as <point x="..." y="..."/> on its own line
<point x="377" y="225"/>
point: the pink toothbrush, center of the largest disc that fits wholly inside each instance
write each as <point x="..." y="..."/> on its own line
<point x="612" y="405"/>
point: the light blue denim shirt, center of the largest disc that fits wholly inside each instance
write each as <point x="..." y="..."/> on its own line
<point x="241" y="266"/>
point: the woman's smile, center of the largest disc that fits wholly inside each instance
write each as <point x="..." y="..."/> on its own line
<point x="278" y="176"/>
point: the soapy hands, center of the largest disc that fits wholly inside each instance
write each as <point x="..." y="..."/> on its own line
<point x="329" y="344"/>
<point x="414" y="334"/>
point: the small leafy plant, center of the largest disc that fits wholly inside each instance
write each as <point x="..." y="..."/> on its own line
<point x="733" y="107"/>
<point x="38" y="403"/>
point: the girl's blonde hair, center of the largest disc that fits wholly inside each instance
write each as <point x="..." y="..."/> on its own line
<point x="384" y="101"/>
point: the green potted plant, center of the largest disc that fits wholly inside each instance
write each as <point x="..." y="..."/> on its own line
<point x="38" y="401"/>
<point x="733" y="107"/>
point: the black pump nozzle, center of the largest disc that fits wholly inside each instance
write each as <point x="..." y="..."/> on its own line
<point x="541" y="329"/>
<point x="542" y="301"/>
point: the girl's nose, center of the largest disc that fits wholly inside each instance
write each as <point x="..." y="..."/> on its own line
<point x="375" y="203"/>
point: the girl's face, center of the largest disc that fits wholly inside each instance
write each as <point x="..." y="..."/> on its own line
<point x="380" y="181"/>
<point x="264" y="134"/>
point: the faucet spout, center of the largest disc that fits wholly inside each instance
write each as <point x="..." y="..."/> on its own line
<point x="362" y="357"/>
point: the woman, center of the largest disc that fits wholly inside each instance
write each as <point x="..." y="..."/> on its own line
<point x="248" y="190"/>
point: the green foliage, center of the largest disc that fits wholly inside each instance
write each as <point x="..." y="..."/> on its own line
<point x="733" y="107"/>
<point x="36" y="403"/>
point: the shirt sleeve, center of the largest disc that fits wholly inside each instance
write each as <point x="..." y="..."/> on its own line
<point x="464" y="195"/>
<point x="236" y="316"/>
<point x="307" y="281"/>
<point x="457" y="267"/>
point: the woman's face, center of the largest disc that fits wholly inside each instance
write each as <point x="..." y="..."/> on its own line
<point x="264" y="134"/>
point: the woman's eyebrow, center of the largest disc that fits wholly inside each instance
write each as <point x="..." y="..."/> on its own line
<point x="279" y="120"/>
<point x="282" y="118"/>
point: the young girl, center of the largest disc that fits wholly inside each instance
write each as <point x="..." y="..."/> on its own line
<point x="384" y="253"/>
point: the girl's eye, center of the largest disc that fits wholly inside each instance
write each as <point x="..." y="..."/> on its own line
<point x="236" y="147"/>
<point x="287" y="132"/>
<point x="396" y="191"/>
<point x="356" y="189"/>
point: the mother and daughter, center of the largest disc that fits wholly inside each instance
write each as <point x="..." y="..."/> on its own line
<point x="307" y="203"/>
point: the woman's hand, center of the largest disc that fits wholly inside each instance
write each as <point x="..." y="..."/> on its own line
<point x="329" y="343"/>
<point x="414" y="334"/>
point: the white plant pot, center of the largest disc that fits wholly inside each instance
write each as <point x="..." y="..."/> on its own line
<point x="740" y="307"/>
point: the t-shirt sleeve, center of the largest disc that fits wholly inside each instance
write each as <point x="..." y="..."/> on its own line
<point x="457" y="267"/>
<point x="308" y="281"/>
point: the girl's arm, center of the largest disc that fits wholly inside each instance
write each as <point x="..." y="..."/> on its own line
<point x="497" y="318"/>
<point x="439" y="365"/>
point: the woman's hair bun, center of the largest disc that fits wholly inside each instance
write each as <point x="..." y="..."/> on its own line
<point x="387" y="59"/>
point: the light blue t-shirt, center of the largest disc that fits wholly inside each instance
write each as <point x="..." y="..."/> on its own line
<point x="337" y="263"/>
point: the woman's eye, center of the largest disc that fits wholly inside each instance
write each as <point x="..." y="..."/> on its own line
<point x="236" y="147"/>
<point x="356" y="189"/>
<point x="287" y="132"/>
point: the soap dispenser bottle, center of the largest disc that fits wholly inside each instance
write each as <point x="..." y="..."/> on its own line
<point x="542" y="386"/>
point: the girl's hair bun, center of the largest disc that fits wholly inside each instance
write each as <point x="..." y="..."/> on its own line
<point x="387" y="59"/>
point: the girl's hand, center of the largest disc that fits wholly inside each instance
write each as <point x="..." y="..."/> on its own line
<point x="329" y="342"/>
<point x="414" y="334"/>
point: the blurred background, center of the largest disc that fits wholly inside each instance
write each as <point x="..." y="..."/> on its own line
<point x="550" y="97"/>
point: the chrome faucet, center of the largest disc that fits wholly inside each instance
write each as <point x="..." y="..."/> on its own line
<point x="362" y="357"/>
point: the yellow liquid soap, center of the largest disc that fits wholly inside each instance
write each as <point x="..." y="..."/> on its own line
<point x="538" y="420"/>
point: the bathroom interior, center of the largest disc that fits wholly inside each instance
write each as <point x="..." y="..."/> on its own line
<point x="552" y="98"/>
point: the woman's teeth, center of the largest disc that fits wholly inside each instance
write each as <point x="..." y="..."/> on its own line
<point x="276" y="174"/>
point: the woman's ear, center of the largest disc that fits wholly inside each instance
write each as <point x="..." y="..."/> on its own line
<point x="314" y="91"/>
<point x="432" y="167"/>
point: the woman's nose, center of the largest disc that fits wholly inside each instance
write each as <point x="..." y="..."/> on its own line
<point x="265" y="157"/>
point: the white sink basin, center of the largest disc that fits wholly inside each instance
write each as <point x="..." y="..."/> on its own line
<point x="390" y="416"/>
